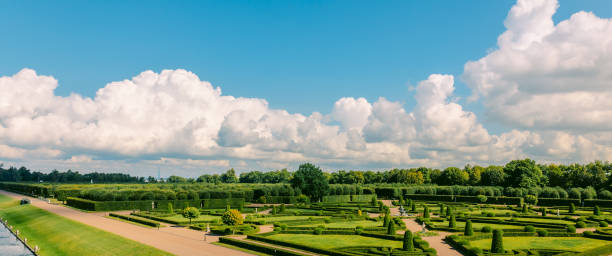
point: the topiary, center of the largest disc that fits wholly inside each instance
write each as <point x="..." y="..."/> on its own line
<point x="191" y="213"/>
<point x="485" y="229"/>
<point x="603" y="224"/>
<point x="497" y="243"/>
<point x="448" y="211"/>
<point x="408" y="244"/>
<point x="571" y="229"/>
<point x="525" y="210"/>
<point x="580" y="224"/>
<point x="542" y="232"/>
<point x="572" y="208"/>
<point x="481" y="198"/>
<point x="543" y="211"/>
<point x="386" y="220"/>
<point x="596" y="210"/>
<point x="441" y="209"/>
<point x="468" y="228"/>
<point x="391" y="229"/>
<point x="529" y="228"/>
<point x="170" y="209"/>
<point x="412" y="206"/>
<point x="452" y="223"/>
<point x="282" y="208"/>
<point x="426" y="212"/>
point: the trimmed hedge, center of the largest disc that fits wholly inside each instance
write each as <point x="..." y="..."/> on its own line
<point x="600" y="203"/>
<point x="337" y="199"/>
<point x="147" y="204"/>
<point x="138" y="220"/>
<point x="557" y="201"/>
<point x="258" y="247"/>
<point x="330" y="252"/>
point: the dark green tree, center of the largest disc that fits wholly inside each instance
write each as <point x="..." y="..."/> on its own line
<point x="468" y="228"/>
<point x="596" y="210"/>
<point x="408" y="244"/>
<point x="311" y="181"/>
<point x="452" y="223"/>
<point x="386" y="220"/>
<point x="523" y="173"/>
<point x="391" y="228"/>
<point x="572" y="208"/>
<point x="497" y="244"/>
<point x="426" y="212"/>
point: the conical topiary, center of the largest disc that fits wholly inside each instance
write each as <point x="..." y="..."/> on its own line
<point x="408" y="242"/>
<point x="497" y="244"/>
<point x="468" y="228"/>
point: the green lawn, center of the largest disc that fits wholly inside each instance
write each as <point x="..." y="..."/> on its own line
<point x="347" y="224"/>
<point x="577" y="244"/>
<point x="335" y="241"/>
<point x="56" y="235"/>
<point x="541" y="220"/>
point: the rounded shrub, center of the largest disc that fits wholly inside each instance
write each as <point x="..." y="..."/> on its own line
<point x="529" y="228"/>
<point x="580" y="224"/>
<point x="490" y="214"/>
<point x="497" y="243"/>
<point x="318" y="231"/>
<point x="572" y="208"/>
<point x="596" y="210"/>
<point x="571" y="229"/>
<point x="603" y="224"/>
<point x="542" y="232"/>
<point x="485" y="229"/>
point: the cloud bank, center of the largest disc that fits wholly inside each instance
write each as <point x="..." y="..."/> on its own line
<point x="549" y="84"/>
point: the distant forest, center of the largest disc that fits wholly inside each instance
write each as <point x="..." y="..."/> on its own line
<point x="517" y="173"/>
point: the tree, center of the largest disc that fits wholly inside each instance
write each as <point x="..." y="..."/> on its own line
<point x="229" y="176"/>
<point x="523" y="173"/>
<point x="386" y="220"/>
<point x="170" y="208"/>
<point x="426" y="212"/>
<point x="232" y="217"/>
<point x="448" y="211"/>
<point x="452" y="223"/>
<point x="525" y="210"/>
<point x="492" y="176"/>
<point x="468" y="228"/>
<point x="391" y="228"/>
<point x="176" y="179"/>
<point x="311" y="181"/>
<point x="191" y="213"/>
<point x="408" y="244"/>
<point x="497" y="244"/>
<point x="455" y="176"/>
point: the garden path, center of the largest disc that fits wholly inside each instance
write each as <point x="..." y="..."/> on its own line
<point x="436" y="242"/>
<point x="175" y="240"/>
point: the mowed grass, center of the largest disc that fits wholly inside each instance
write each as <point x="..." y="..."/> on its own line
<point x="347" y="224"/>
<point x="287" y="218"/>
<point x="335" y="241"/>
<point x="56" y="235"/>
<point x="577" y="244"/>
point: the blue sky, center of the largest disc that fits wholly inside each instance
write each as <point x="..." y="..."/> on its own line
<point x="300" y="56"/>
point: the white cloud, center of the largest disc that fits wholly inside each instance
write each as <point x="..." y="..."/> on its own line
<point x="549" y="83"/>
<point x="548" y="76"/>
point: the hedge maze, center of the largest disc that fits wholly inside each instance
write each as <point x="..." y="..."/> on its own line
<point x="357" y="220"/>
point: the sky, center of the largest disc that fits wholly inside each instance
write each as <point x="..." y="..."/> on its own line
<point x="197" y="87"/>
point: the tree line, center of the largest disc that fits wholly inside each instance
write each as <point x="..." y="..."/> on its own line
<point x="525" y="173"/>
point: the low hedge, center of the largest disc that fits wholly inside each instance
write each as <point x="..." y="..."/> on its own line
<point x="259" y="247"/>
<point x="148" y="204"/>
<point x="337" y="199"/>
<point x="329" y="252"/>
<point x="557" y="201"/>
<point x="600" y="203"/>
<point x="137" y="220"/>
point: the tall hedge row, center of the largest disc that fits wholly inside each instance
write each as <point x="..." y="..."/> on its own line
<point x="149" y="204"/>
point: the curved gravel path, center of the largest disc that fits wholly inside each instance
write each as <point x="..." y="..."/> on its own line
<point x="175" y="240"/>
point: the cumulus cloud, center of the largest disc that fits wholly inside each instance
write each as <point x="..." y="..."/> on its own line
<point x="547" y="76"/>
<point x="548" y="83"/>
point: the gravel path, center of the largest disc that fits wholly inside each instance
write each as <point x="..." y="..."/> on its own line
<point x="175" y="240"/>
<point x="436" y="242"/>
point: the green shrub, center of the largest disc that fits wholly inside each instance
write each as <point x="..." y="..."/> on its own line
<point x="481" y="198"/>
<point x="580" y="224"/>
<point x="448" y="211"/>
<point x="426" y="212"/>
<point x="543" y="210"/>
<point x="191" y="213"/>
<point x="572" y="208"/>
<point x="490" y="214"/>
<point x="485" y="229"/>
<point x="452" y="223"/>
<point x="386" y="220"/>
<point x="525" y="210"/>
<point x="542" y="232"/>
<point x="170" y="209"/>
<point x="232" y="217"/>
<point x="408" y="244"/>
<point x="318" y="230"/>
<point x="468" y="228"/>
<point x="603" y="224"/>
<point x="531" y="199"/>
<point x="529" y="228"/>
<point x="570" y="229"/>
<point x="391" y="229"/>
<point x="596" y="210"/>
<point x="497" y="243"/>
